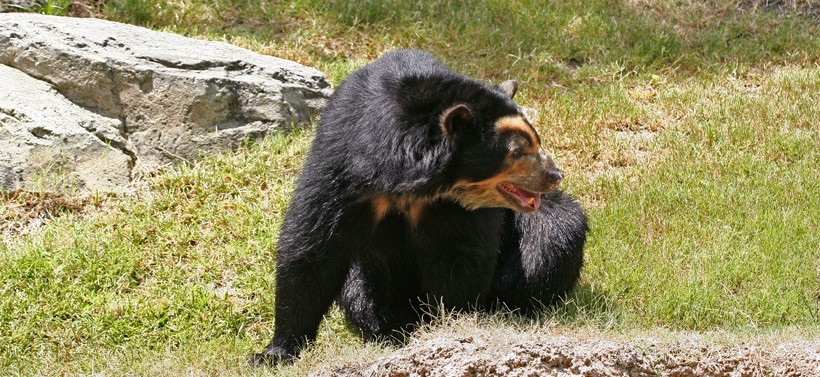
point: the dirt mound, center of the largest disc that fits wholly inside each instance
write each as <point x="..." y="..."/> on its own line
<point x="567" y="356"/>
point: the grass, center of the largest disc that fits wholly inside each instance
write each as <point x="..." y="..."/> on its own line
<point x="689" y="130"/>
<point x="721" y="226"/>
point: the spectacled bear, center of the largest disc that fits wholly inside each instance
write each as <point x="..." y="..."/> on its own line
<point x="421" y="186"/>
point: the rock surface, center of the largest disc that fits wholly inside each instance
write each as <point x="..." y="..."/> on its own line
<point x="158" y="97"/>
<point x="47" y="143"/>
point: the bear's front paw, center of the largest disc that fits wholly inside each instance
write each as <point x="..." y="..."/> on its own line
<point x="270" y="357"/>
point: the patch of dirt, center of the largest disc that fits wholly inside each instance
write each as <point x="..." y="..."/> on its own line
<point x="569" y="356"/>
<point x="806" y="8"/>
<point x="85" y="8"/>
<point x="809" y="8"/>
<point x="23" y="212"/>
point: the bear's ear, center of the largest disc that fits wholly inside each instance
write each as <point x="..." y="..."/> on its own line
<point x="509" y="87"/>
<point x="452" y="118"/>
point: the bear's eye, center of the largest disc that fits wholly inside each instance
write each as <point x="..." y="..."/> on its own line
<point x="516" y="153"/>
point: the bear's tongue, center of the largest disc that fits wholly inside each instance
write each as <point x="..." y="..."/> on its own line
<point x="524" y="197"/>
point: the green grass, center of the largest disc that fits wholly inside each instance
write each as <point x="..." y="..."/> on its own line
<point x="721" y="230"/>
<point x="689" y="130"/>
<point x="187" y="262"/>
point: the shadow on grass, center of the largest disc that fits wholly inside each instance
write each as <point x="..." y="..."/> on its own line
<point x="586" y="306"/>
<point x="549" y="40"/>
<point x="536" y="41"/>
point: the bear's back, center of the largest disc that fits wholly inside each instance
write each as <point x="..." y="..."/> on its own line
<point x="395" y="79"/>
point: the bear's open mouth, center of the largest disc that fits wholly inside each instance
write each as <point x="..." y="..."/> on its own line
<point x="527" y="200"/>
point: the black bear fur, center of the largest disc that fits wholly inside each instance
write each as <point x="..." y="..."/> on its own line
<point x="422" y="186"/>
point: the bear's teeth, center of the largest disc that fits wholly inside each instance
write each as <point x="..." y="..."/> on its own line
<point x="531" y="202"/>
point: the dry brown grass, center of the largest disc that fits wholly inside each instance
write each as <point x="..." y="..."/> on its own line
<point x="23" y="212"/>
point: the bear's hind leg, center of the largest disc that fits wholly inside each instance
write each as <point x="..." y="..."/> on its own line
<point x="541" y="255"/>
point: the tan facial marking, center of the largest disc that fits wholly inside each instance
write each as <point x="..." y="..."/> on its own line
<point x="480" y="194"/>
<point x="518" y="172"/>
<point x="517" y="123"/>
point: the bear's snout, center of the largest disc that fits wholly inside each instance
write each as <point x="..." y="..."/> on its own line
<point x="555" y="176"/>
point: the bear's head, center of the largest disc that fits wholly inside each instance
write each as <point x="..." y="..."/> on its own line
<point x="498" y="160"/>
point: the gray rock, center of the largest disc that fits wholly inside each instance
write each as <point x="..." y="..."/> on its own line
<point x="176" y="97"/>
<point x="48" y="143"/>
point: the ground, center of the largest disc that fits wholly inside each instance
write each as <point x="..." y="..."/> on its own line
<point x="688" y="129"/>
<point x="556" y="353"/>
